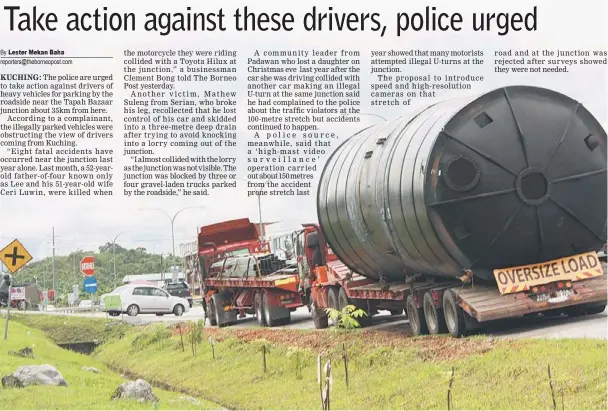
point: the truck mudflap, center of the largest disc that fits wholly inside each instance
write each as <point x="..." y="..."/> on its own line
<point x="485" y="303"/>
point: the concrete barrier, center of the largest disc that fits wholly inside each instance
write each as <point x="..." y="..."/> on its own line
<point x="76" y="310"/>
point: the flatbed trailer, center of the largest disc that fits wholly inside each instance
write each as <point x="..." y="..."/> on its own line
<point x="270" y="298"/>
<point x="438" y="305"/>
<point x="236" y="281"/>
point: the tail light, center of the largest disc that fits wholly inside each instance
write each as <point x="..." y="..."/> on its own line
<point x="568" y="284"/>
<point x="543" y="289"/>
<point x="560" y="285"/>
<point x="535" y="290"/>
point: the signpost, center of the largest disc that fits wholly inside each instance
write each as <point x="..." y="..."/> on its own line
<point x="89" y="284"/>
<point x="87" y="266"/>
<point x="14" y="256"/>
<point x="112" y="303"/>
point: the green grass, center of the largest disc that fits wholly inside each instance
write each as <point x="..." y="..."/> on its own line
<point x="70" y="329"/>
<point x="85" y="390"/>
<point x="411" y="374"/>
<point x="511" y="375"/>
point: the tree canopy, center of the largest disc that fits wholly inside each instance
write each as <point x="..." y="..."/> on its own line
<point x="133" y="261"/>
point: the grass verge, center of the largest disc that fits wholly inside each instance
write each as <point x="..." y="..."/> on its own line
<point x="85" y="390"/>
<point x="70" y="329"/>
<point x="386" y="371"/>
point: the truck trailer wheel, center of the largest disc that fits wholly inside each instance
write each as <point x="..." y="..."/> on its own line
<point x="223" y="317"/>
<point x="415" y="317"/>
<point x="275" y="315"/>
<point x="210" y="313"/>
<point x="343" y="301"/>
<point x="319" y="317"/>
<point x="596" y="309"/>
<point x="435" y="320"/>
<point x="454" y="315"/>
<point x="332" y="302"/>
<point x="259" y="309"/>
<point x="584" y="309"/>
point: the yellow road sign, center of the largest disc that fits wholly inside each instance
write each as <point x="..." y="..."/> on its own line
<point x="14" y="256"/>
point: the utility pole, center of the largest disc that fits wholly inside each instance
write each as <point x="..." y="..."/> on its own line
<point x="162" y="271"/>
<point x="54" y="260"/>
<point x="172" y="220"/>
<point x="75" y="276"/>
<point x="260" y="214"/>
<point x="114" y="254"/>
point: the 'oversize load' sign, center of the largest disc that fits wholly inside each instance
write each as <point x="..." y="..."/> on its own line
<point x="577" y="267"/>
<point x="87" y="266"/>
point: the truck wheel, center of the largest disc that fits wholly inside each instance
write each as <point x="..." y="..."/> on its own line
<point x="342" y="299"/>
<point x="319" y="317"/>
<point x="435" y="320"/>
<point x="584" y="309"/>
<point x="575" y="311"/>
<point x="454" y="315"/>
<point x="415" y="317"/>
<point x="259" y="309"/>
<point x="596" y="309"/>
<point x="22" y="305"/>
<point x="267" y="317"/>
<point x="332" y="302"/>
<point x="210" y="312"/>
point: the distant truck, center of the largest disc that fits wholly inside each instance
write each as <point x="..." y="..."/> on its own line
<point x="24" y="296"/>
<point x="240" y="276"/>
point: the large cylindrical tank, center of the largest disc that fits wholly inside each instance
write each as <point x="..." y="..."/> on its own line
<point x="516" y="176"/>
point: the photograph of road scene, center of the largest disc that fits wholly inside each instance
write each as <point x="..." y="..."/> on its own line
<point x="481" y="277"/>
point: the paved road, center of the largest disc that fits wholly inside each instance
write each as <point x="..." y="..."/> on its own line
<point x="595" y="326"/>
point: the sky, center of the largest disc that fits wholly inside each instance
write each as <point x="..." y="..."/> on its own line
<point x="85" y="223"/>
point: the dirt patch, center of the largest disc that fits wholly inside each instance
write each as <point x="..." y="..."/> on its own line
<point x="430" y="348"/>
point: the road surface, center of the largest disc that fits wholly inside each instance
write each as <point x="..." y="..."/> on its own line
<point x="595" y="326"/>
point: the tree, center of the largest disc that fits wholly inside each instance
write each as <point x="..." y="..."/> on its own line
<point x="67" y="270"/>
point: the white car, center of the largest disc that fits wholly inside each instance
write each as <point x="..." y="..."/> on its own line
<point x="147" y="299"/>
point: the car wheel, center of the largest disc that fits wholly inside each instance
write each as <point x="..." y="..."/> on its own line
<point x="178" y="310"/>
<point x="132" y="310"/>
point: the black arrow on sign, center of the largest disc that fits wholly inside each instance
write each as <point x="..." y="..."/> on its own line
<point x="14" y="256"/>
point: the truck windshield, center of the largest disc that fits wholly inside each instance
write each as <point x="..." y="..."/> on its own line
<point x="241" y="251"/>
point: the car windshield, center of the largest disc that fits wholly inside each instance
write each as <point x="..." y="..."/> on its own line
<point x="121" y="289"/>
